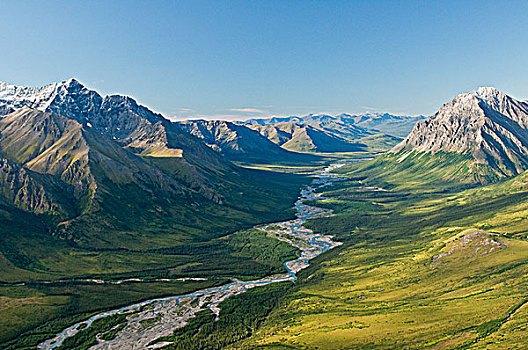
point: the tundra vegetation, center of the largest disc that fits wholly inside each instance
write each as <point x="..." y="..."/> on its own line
<point x="429" y="264"/>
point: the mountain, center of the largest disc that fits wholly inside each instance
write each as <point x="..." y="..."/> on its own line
<point x="237" y="142"/>
<point x="305" y="138"/>
<point x="119" y="117"/>
<point x="342" y="133"/>
<point x="486" y="127"/>
<point x="351" y="126"/>
<point x="384" y="123"/>
<point x="96" y="169"/>
<point x="273" y="120"/>
<point x="132" y="126"/>
<point x="309" y="134"/>
<point x="336" y="126"/>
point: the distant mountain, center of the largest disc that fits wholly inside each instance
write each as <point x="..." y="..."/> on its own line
<point x="306" y="138"/>
<point x="341" y="133"/>
<point x="308" y="134"/>
<point x="273" y="120"/>
<point x="486" y="126"/>
<point x="237" y="142"/>
<point x="93" y="168"/>
<point x="351" y="126"/>
<point x="384" y="123"/>
<point x="337" y="126"/>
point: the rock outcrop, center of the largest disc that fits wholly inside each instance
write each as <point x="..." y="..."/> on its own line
<point x="486" y="124"/>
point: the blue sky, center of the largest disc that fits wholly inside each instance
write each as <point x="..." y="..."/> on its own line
<point x="238" y="59"/>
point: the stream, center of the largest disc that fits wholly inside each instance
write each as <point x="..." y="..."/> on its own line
<point x="152" y="319"/>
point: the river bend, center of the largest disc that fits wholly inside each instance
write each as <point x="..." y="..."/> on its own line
<point x="152" y="319"/>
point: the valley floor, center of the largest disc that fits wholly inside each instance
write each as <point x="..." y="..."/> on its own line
<point x="58" y="285"/>
<point x="152" y="323"/>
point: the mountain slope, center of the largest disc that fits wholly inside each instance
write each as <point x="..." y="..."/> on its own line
<point x="305" y="138"/>
<point x="97" y="169"/>
<point x="486" y="125"/>
<point x="237" y="142"/>
<point x="378" y="132"/>
<point x="46" y="143"/>
<point x="19" y="187"/>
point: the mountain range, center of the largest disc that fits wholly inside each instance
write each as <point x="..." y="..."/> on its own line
<point x="88" y="164"/>
<point x="341" y="133"/>
<point x="237" y="142"/>
<point x="352" y="126"/>
<point x="314" y="133"/>
<point x="299" y="137"/>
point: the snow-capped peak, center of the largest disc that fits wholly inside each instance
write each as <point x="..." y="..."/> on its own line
<point x="18" y="96"/>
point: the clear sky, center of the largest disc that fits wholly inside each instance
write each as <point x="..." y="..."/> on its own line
<point x="237" y="59"/>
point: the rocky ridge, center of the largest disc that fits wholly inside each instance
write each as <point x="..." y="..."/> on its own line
<point x="233" y="140"/>
<point x="486" y="124"/>
<point x="95" y="165"/>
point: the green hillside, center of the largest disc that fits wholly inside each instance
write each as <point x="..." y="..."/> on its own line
<point x="428" y="262"/>
<point x="436" y="269"/>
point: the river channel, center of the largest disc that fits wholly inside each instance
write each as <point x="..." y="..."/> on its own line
<point x="152" y="319"/>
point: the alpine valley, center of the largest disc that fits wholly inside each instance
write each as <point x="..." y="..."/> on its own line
<point x="121" y="229"/>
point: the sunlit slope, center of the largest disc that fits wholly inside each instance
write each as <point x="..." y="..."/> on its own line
<point x="306" y="138"/>
<point x="426" y="170"/>
<point x="341" y="133"/>
<point x="486" y="126"/>
<point x="439" y="270"/>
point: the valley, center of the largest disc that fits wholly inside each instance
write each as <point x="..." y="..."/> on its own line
<point x="263" y="175"/>
<point x="121" y="229"/>
<point x="165" y="315"/>
<point x="94" y="189"/>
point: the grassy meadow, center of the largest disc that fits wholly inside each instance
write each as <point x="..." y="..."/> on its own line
<point x="429" y="264"/>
